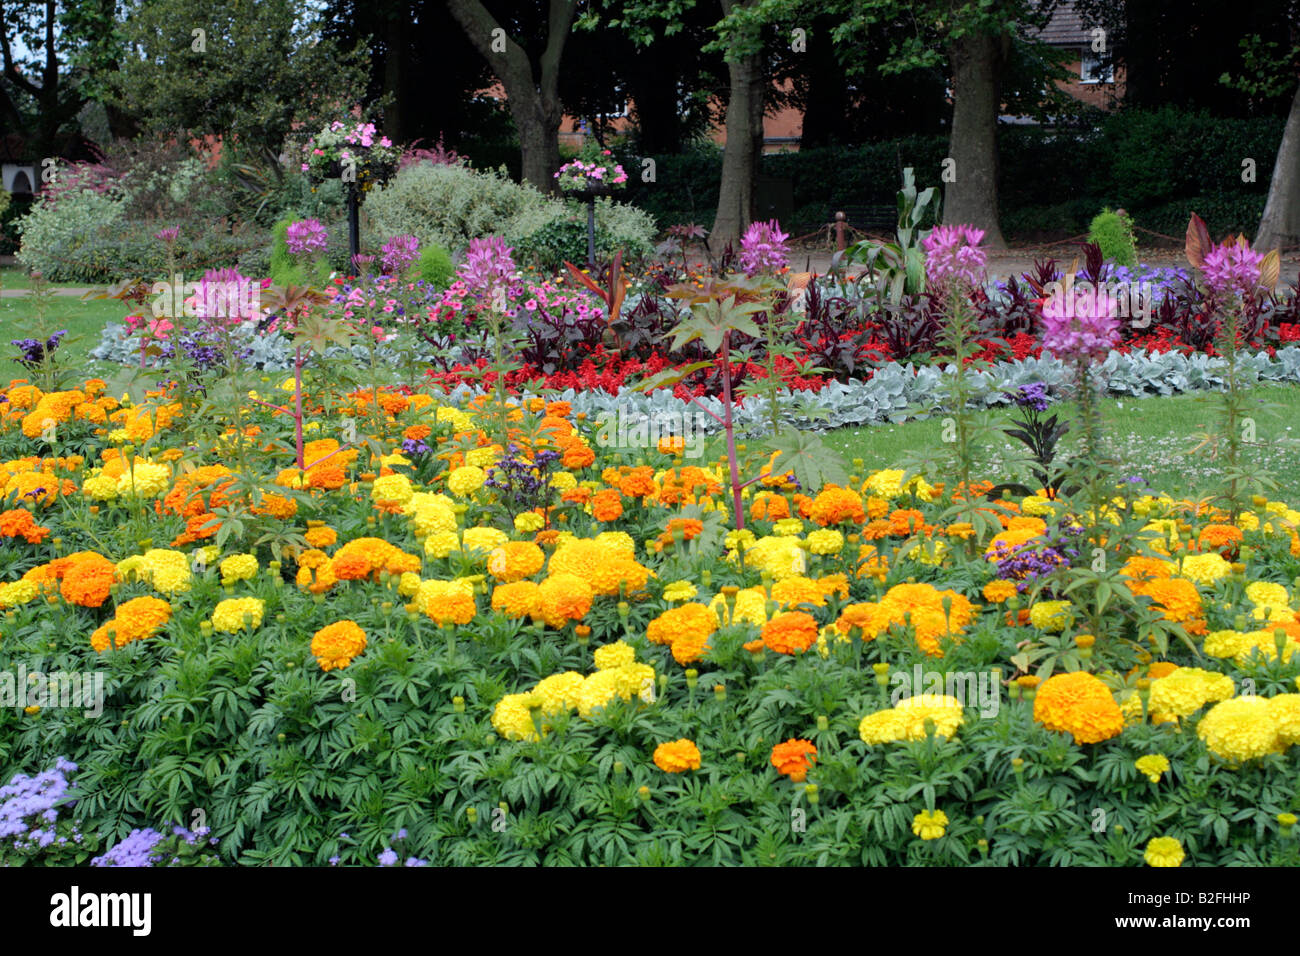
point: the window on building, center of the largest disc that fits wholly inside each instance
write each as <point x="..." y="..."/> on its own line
<point x="1093" y="70"/>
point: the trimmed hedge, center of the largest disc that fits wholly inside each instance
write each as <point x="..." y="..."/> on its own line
<point x="1159" y="165"/>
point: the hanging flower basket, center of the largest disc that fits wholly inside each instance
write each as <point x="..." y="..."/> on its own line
<point x="340" y="147"/>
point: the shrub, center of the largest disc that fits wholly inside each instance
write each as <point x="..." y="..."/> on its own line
<point x="53" y="231"/>
<point x="434" y="267"/>
<point x="448" y="205"/>
<point x="1113" y="232"/>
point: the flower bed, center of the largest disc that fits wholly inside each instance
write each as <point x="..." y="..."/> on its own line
<point x="458" y="633"/>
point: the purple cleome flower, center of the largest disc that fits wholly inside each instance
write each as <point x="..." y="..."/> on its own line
<point x="952" y="255"/>
<point x="399" y="253"/>
<point x="1232" y="270"/>
<point x="763" y="248"/>
<point x="306" y="237"/>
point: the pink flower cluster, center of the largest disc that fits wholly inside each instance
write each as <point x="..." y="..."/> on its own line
<point x="1082" y="324"/>
<point x="953" y="256"/>
<point x="306" y="237"/>
<point x="488" y="266"/>
<point x="763" y="248"/>
<point x="1232" y="269"/>
<point x="577" y="173"/>
<point x="399" y="252"/>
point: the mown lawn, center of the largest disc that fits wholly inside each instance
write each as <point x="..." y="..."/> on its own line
<point x="20" y="318"/>
<point x="1153" y="438"/>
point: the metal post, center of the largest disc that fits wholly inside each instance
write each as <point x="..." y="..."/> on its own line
<point x="354" y="225"/>
<point x="839" y="232"/>
<point x="591" y="233"/>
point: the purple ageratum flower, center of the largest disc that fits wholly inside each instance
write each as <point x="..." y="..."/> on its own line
<point x="1032" y="396"/>
<point x="388" y="857"/>
<point x="488" y="266"/>
<point x="953" y="256"/>
<point x="138" y="849"/>
<point x="1080" y="325"/>
<point x="399" y="253"/>
<point x="1232" y="270"/>
<point x="763" y="248"/>
<point x="306" y="237"/>
<point x="27" y="798"/>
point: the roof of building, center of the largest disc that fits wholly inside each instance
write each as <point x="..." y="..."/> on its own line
<point x="1066" y="27"/>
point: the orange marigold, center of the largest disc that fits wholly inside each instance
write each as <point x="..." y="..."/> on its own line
<point x="19" y="523"/>
<point x="564" y="597"/>
<point x="336" y="644"/>
<point x="1078" y="704"/>
<point x="835" y="505"/>
<point x="794" y="758"/>
<point x="678" y="756"/>
<point x="791" y="632"/>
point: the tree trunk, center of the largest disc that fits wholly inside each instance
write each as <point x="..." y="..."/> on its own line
<point x="973" y="195"/>
<point x="1280" y="224"/>
<point x="534" y="103"/>
<point x="742" y="153"/>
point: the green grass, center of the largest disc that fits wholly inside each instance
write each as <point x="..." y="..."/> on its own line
<point x="1151" y="437"/>
<point x="19" y="319"/>
<point x="16" y="277"/>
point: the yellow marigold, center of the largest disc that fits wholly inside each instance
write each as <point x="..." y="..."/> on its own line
<point x="18" y="592"/>
<point x="100" y="487"/>
<point x="1285" y="711"/>
<point x="750" y="607"/>
<point x="614" y="655"/>
<point x="930" y="826"/>
<point x="336" y="644"/>
<point x="228" y="616"/>
<point x="1240" y="729"/>
<point x="408" y="584"/>
<point x="1163" y="851"/>
<point x="781" y="557"/>
<point x="998" y="591"/>
<point x="392" y="488"/>
<point x="1205" y="569"/>
<point x="677" y="757"/>
<point x="517" y="599"/>
<point x="825" y="541"/>
<point x="430" y="513"/>
<point x="446" y="602"/>
<point x="1152" y="766"/>
<point x="1078" y="704"/>
<point x="528" y="522"/>
<point x="1051" y="616"/>
<point x="145" y="480"/>
<point x="627" y="681"/>
<point x="1267" y="594"/>
<point x="238" y="567"/>
<point x="1186" y="691"/>
<point x="512" y="717"/>
<point x="564" y="597"/>
<point x="679" y="591"/>
<point x="887" y="483"/>
<point x="465" y="480"/>
<point x="484" y="540"/>
<point x="559" y="692"/>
